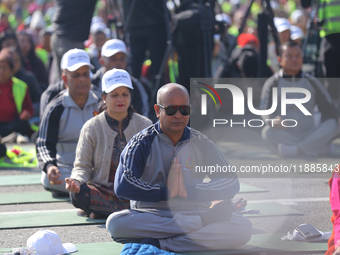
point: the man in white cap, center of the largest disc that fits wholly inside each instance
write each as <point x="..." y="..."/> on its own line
<point x="283" y="29"/>
<point x="298" y="18"/>
<point x="98" y="33"/>
<point x="56" y="87"/>
<point x="62" y="121"/>
<point x="114" y="55"/>
<point x="296" y="34"/>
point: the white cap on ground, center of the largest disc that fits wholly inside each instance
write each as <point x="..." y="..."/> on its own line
<point x="47" y="242"/>
<point x="74" y="59"/>
<point x="281" y="24"/>
<point x="295" y="32"/>
<point x="112" y="47"/>
<point x="115" y="78"/>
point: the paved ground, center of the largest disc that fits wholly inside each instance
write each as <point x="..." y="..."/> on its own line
<point x="305" y="192"/>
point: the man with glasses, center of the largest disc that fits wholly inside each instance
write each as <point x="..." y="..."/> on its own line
<point x="308" y="137"/>
<point x="62" y="121"/>
<point x="171" y="208"/>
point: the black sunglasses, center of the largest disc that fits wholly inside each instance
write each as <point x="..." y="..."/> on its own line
<point x="172" y="109"/>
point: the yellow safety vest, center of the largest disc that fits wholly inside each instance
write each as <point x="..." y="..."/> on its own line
<point x="19" y="92"/>
<point x="329" y="12"/>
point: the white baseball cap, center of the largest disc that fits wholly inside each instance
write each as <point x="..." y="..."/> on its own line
<point x="295" y="15"/>
<point x="295" y="32"/>
<point x="112" y="47"/>
<point x="98" y="26"/>
<point x="74" y="59"/>
<point x="47" y="242"/>
<point x="115" y="78"/>
<point x="96" y="19"/>
<point x="281" y="24"/>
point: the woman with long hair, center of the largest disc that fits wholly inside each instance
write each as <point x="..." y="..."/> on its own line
<point x="31" y="62"/>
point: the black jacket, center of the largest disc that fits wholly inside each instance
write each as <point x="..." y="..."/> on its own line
<point x="144" y="13"/>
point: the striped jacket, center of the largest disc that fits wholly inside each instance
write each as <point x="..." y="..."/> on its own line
<point x="145" y="162"/>
<point x="60" y="129"/>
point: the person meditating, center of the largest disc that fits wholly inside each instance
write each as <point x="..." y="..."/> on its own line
<point x="171" y="208"/>
<point x="101" y="141"/>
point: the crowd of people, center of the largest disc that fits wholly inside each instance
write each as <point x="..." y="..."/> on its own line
<point x="88" y="91"/>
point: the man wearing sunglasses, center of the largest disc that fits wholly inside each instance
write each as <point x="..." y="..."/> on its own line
<point x="170" y="208"/>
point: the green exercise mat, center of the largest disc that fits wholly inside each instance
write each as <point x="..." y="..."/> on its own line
<point x="246" y="188"/>
<point x="111" y="248"/>
<point x="16" y="180"/>
<point x="46" y="197"/>
<point x="271" y="244"/>
<point x="258" y="244"/>
<point x="44" y="219"/>
<point x="69" y="217"/>
<point x="30" y="197"/>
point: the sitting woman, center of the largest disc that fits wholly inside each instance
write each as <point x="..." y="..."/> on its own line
<point x="31" y="62"/>
<point x="16" y="106"/>
<point x="101" y="141"/>
<point x="27" y="77"/>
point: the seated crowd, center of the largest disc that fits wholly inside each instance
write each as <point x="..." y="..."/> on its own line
<point x="96" y="144"/>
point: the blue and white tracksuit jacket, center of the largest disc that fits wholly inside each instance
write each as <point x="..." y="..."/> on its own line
<point x="145" y="162"/>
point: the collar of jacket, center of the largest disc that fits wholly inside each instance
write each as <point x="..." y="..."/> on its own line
<point x="68" y="101"/>
<point x="282" y="74"/>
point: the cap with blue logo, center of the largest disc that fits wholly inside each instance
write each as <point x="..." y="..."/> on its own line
<point x="115" y="78"/>
<point x="74" y="59"/>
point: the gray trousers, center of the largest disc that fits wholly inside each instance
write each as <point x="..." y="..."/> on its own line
<point x="311" y="143"/>
<point x="180" y="233"/>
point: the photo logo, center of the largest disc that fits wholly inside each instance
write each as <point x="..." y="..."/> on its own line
<point x="280" y="99"/>
<point x="204" y="97"/>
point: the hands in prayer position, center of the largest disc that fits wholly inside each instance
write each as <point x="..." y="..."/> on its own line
<point x="175" y="182"/>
